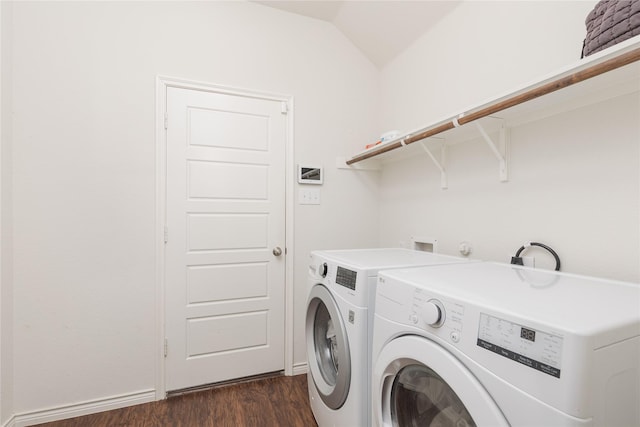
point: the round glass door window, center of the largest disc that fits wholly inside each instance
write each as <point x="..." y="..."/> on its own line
<point x="326" y="345"/>
<point x="420" y="397"/>
<point x="328" y="348"/>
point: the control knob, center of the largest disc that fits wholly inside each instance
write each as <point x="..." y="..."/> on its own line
<point x="432" y="313"/>
<point x="322" y="269"/>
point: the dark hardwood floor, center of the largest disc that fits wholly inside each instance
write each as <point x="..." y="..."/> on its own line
<point x="275" y="401"/>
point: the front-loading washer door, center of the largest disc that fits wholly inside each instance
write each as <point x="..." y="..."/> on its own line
<point x="418" y="383"/>
<point x="327" y="348"/>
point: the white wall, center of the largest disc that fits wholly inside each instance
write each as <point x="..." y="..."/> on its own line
<point x="83" y="159"/>
<point x="477" y="51"/>
<point x="6" y="285"/>
<point x="573" y="180"/>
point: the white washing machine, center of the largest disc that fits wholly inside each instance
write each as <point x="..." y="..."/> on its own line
<point x="495" y="345"/>
<point x="339" y="328"/>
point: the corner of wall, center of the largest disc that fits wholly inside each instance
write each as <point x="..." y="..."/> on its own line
<point x="6" y="283"/>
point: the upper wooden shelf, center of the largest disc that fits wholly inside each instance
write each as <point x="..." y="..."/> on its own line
<point x="612" y="72"/>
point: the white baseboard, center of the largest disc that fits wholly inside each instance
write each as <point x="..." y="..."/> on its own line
<point x="80" y="409"/>
<point x="300" y="368"/>
<point x="11" y="422"/>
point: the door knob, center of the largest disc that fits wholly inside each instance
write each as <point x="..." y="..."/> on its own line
<point x="277" y="251"/>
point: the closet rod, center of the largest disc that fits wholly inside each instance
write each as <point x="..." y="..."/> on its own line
<point x="502" y="104"/>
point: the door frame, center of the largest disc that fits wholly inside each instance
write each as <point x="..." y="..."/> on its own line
<point x="162" y="84"/>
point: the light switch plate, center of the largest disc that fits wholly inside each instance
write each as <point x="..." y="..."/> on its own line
<point x="309" y="196"/>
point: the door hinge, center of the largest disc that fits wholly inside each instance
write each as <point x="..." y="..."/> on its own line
<point x="166" y="347"/>
<point x="284" y="107"/>
<point x="166" y="234"/>
<point x="166" y="120"/>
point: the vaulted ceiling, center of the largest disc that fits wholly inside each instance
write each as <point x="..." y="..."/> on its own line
<point x="380" y="29"/>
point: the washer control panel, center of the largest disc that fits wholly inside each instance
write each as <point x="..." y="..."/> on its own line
<point x="437" y="315"/>
<point x="346" y="278"/>
<point x="533" y="348"/>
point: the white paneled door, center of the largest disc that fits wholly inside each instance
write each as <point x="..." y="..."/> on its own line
<point x="225" y="217"/>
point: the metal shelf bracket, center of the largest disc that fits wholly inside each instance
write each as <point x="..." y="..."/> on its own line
<point x="500" y="149"/>
<point x="439" y="164"/>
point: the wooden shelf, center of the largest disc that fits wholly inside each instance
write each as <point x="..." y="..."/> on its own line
<point x="607" y="74"/>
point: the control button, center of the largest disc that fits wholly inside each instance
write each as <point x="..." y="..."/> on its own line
<point x="455" y="336"/>
<point x="413" y="318"/>
<point x="322" y="269"/>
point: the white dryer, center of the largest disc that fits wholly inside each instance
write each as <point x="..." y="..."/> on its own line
<point x="339" y="328"/>
<point x="494" y="345"/>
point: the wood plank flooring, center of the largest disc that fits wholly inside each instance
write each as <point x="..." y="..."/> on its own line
<point x="276" y="401"/>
